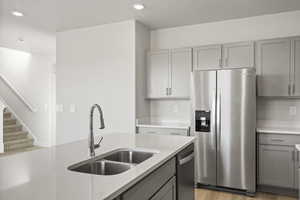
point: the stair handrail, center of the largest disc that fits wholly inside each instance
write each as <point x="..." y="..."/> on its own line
<point x="18" y="94"/>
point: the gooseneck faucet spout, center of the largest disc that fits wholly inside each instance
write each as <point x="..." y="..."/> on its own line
<point x="92" y="145"/>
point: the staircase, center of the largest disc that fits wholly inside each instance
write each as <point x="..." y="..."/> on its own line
<point x="14" y="137"/>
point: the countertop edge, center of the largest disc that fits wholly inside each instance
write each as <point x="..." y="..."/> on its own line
<point x="277" y="131"/>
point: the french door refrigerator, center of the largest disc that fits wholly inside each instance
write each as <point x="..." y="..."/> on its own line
<point x="224" y="123"/>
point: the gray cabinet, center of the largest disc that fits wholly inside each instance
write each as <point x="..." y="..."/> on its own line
<point x="150" y="185"/>
<point x="168" y="73"/>
<point x="167" y="192"/>
<point x="278" y="160"/>
<point x="276" y="166"/>
<point x="158" y="74"/>
<point x="273" y="67"/>
<point x="181" y="67"/>
<point x="238" y="55"/>
<point x="278" y="67"/>
<point x="207" y="57"/>
<point x="231" y="55"/>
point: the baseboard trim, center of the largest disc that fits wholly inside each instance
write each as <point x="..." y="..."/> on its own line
<point x="278" y="190"/>
<point x="224" y="189"/>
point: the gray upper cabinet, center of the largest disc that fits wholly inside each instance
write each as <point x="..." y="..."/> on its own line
<point x="276" y="166"/>
<point x="181" y="67"/>
<point x="273" y="67"/>
<point x="158" y="74"/>
<point x="207" y="57"/>
<point x="168" y="73"/>
<point x="238" y="55"/>
<point x="296" y="66"/>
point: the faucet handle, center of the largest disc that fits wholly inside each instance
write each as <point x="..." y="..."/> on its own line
<point x="98" y="141"/>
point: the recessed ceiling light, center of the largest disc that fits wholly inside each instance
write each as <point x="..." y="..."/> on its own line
<point x="138" y="6"/>
<point x="17" y="13"/>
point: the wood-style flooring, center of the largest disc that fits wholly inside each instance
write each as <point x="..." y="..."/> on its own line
<point x="203" y="194"/>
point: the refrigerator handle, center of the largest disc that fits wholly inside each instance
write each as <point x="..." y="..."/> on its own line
<point x="213" y="118"/>
<point x="218" y="115"/>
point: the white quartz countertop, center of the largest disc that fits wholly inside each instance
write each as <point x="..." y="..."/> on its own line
<point x="279" y="130"/>
<point x="43" y="174"/>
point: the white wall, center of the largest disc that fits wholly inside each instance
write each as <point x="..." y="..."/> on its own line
<point x="142" y="45"/>
<point x="96" y="65"/>
<point x="27" y="65"/>
<point x="253" y="28"/>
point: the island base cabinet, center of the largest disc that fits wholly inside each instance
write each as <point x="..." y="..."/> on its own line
<point x="167" y="192"/>
<point x="150" y="185"/>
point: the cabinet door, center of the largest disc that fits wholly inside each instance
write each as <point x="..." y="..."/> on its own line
<point x="207" y="57"/>
<point x="296" y="66"/>
<point x="181" y="62"/>
<point x="273" y="65"/>
<point x="276" y="166"/>
<point x="297" y="166"/>
<point x="167" y="192"/>
<point x="157" y="74"/>
<point x="238" y="55"/>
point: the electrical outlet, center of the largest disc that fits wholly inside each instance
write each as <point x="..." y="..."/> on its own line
<point x="293" y="110"/>
<point x="59" y="108"/>
<point x="72" y="108"/>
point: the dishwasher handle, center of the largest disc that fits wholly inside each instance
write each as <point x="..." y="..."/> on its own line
<point x="186" y="159"/>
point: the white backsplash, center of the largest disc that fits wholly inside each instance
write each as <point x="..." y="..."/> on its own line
<point x="170" y="110"/>
<point x="271" y="112"/>
<point x="278" y="112"/>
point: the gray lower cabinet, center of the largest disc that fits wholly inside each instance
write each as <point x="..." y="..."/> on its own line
<point x="167" y="192"/>
<point x="276" y="166"/>
<point x="278" y="160"/>
<point x="149" y="186"/>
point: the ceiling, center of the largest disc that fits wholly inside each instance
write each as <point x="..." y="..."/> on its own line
<point x="69" y="14"/>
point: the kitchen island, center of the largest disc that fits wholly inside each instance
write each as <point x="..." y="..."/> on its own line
<point x="43" y="174"/>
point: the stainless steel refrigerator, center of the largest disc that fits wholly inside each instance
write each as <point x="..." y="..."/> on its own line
<point x="224" y="122"/>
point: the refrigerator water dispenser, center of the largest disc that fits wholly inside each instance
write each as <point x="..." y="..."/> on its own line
<point x="202" y="121"/>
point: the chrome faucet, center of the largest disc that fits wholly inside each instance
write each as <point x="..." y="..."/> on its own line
<point x="92" y="145"/>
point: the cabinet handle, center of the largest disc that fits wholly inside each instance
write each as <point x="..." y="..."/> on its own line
<point x="226" y="62"/>
<point x="170" y="91"/>
<point x="277" y="140"/>
<point x="293" y="155"/>
<point x="220" y="62"/>
<point x="289" y="89"/>
<point x="293" y="88"/>
<point x="167" y="91"/>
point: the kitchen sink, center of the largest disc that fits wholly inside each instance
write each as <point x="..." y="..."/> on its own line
<point x="112" y="163"/>
<point x="129" y="156"/>
<point x="101" y="167"/>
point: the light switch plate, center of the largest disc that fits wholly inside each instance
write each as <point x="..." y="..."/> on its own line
<point x="293" y="110"/>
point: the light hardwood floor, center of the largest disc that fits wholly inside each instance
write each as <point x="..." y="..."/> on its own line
<point x="203" y="194"/>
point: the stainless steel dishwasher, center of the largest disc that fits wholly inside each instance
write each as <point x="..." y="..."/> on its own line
<point x="186" y="174"/>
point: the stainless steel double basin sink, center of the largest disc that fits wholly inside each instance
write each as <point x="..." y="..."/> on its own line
<point x="112" y="163"/>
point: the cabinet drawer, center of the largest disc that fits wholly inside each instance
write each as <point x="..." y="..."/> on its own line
<point x="163" y="131"/>
<point x="277" y="139"/>
<point x="150" y="185"/>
